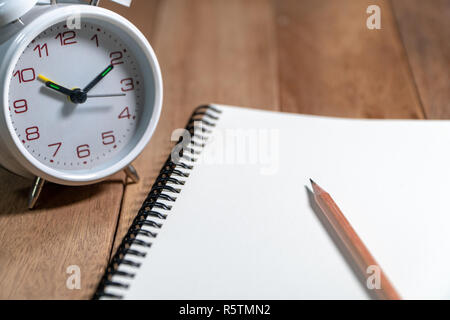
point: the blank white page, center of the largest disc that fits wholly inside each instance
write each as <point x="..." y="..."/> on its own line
<point x="248" y="231"/>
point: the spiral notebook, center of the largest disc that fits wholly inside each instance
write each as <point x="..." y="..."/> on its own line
<point x="233" y="218"/>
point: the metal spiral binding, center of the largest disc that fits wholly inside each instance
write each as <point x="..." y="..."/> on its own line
<point x="167" y="185"/>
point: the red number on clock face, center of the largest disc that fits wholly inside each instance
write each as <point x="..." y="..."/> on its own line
<point x="25" y="75"/>
<point x="20" y="106"/>
<point x="57" y="145"/>
<point x="127" y="84"/>
<point x="66" y="38"/>
<point x="32" y="133"/>
<point x="116" y="57"/>
<point x="41" y="49"/>
<point x="108" y="137"/>
<point x="95" y="37"/>
<point x="83" y="151"/>
<point x="125" y="113"/>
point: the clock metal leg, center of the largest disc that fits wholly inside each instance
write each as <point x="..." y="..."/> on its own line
<point x="94" y="2"/>
<point x="132" y="173"/>
<point x="35" y="191"/>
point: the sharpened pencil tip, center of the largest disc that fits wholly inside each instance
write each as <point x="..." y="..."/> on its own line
<point x="316" y="188"/>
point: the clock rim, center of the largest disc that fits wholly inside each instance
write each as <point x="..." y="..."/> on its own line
<point x="21" y="40"/>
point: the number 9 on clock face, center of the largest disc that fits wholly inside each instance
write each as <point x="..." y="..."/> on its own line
<point x="82" y="103"/>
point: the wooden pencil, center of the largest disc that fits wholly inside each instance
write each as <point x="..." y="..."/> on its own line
<point x="352" y="243"/>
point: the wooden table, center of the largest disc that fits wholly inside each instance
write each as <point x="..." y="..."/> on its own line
<point x="314" y="56"/>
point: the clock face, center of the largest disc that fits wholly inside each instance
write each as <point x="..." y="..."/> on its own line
<point x="77" y="97"/>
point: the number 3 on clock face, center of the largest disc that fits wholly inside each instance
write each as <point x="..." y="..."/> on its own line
<point x="79" y="104"/>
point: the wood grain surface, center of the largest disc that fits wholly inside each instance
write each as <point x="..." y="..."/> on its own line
<point x="425" y="30"/>
<point x="312" y="56"/>
<point x="332" y="64"/>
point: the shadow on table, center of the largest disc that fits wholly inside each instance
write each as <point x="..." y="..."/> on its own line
<point x="14" y="194"/>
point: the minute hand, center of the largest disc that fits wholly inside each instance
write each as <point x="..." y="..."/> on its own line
<point x="98" y="78"/>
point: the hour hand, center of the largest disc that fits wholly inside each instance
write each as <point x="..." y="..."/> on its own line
<point x="52" y="85"/>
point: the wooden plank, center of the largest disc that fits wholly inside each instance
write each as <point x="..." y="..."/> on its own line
<point x="209" y="51"/>
<point x="71" y="226"/>
<point x="425" y="30"/>
<point x="332" y="64"/>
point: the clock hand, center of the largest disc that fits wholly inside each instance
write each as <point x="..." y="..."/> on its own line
<point x="52" y="85"/>
<point x="98" y="78"/>
<point x="106" y="95"/>
<point x="75" y="95"/>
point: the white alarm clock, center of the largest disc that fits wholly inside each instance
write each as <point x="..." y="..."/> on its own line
<point x="80" y="92"/>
